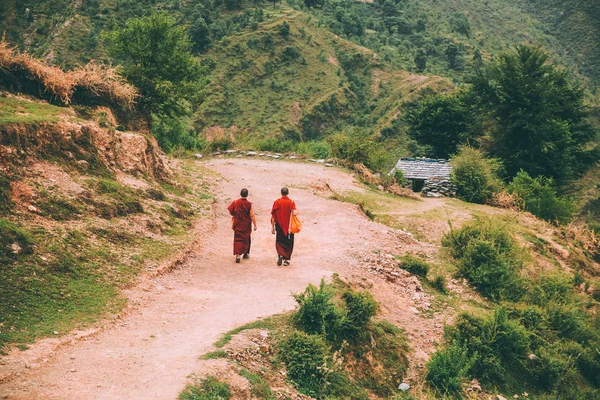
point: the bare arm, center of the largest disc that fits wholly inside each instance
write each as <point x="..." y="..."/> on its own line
<point x="252" y="217"/>
<point x="272" y="225"/>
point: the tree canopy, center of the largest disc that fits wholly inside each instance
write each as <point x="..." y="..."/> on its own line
<point x="156" y="58"/>
<point x="536" y="118"/>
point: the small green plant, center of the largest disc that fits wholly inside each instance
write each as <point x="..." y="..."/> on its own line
<point x="304" y="356"/>
<point x="214" y="355"/>
<point x="414" y="265"/>
<point x="360" y="308"/>
<point x="207" y="389"/>
<point x="11" y="236"/>
<point x="5" y="197"/>
<point x="399" y="177"/>
<point x="260" y="386"/>
<point x="439" y="283"/>
<point x="448" y="368"/>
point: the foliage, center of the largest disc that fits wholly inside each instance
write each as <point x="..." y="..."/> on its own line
<point x="498" y="343"/>
<point x="260" y="386"/>
<point x="488" y="257"/>
<point x="399" y="177"/>
<point x="538" y="118"/>
<point x="439" y="283"/>
<point x="540" y="198"/>
<point x="414" y="265"/>
<point x="447" y="368"/>
<point x="207" y="389"/>
<point x="11" y="233"/>
<point x="156" y="58"/>
<point x="171" y="133"/>
<point x="475" y="176"/>
<point x="304" y="357"/>
<point x="442" y="123"/>
<point x="315" y="310"/>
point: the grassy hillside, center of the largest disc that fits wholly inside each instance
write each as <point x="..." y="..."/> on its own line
<point x="299" y="85"/>
<point x="84" y="209"/>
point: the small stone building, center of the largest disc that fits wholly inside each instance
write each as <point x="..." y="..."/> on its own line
<point x="428" y="176"/>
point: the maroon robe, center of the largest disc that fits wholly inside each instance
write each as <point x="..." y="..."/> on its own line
<point x="242" y="225"/>
<point x="281" y="212"/>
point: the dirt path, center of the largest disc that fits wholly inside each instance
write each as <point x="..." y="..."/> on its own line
<point x="177" y="317"/>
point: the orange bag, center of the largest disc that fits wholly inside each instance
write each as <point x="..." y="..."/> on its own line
<point x="295" y="224"/>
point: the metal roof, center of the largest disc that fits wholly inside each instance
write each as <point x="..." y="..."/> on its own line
<point x="424" y="168"/>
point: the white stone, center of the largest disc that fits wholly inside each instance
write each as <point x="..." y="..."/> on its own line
<point x="404" y="386"/>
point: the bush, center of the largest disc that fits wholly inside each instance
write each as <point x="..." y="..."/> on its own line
<point x="499" y="345"/>
<point x="360" y="308"/>
<point x="475" y="176"/>
<point x="439" y="282"/>
<point x="315" y="149"/>
<point x="447" y="369"/>
<point x="171" y="133"/>
<point x="209" y="389"/>
<point x="414" y="265"/>
<point x="540" y="198"/>
<point x="493" y="274"/>
<point x="304" y="357"/>
<point x="488" y="257"/>
<point x="315" y="311"/>
<point x="399" y="177"/>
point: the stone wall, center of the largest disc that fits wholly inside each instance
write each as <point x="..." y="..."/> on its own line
<point x="438" y="188"/>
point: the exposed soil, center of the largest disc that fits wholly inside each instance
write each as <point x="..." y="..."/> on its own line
<point x="172" y="319"/>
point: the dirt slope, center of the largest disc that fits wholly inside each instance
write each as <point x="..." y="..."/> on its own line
<point x="175" y="318"/>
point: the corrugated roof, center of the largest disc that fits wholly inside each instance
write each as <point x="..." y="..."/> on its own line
<point x="424" y="168"/>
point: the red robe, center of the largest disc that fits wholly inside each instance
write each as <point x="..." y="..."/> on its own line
<point x="281" y="212"/>
<point x="242" y="225"/>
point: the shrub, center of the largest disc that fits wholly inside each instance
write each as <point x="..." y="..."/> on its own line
<point x="475" y="176"/>
<point x="499" y="345"/>
<point x="493" y="274"/>
<point x="439" y="282"/>
<point x="399" y="177"/>
<point x="208" y="389"/>
<point x="414" y="265"/>
<point x="540" y="198"/>
<point x="488" y="257"/>
<point x="447" y="369"/>
<point x="315" y="309"/>
<point x="304" y="357"/>
<point x="360" y="308"/>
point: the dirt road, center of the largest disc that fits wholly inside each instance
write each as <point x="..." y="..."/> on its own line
<point x="177" y="317"/>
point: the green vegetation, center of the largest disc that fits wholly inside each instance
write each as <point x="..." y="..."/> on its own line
<point x="156" y="56"/>
<point x="260" y="386"/>
<point x="414" y="265"/>
<point x="304" y="357"/>
<point x="19" y="111"/>
<point x="488" y="257"/>
<point x="540" y="198"/>
<point x="541" y="337"/>
<point x="206" y="389"/>
<point x="475" y="176"/>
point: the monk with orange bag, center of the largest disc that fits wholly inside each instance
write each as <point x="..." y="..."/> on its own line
<point x="283" y="209"/>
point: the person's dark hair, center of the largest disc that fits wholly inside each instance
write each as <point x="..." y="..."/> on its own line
<point x="244" y="192"/>
<point x="285" y="191"/>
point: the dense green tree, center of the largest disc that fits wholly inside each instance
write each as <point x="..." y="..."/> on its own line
<point x="155" y="54"/>
<point x="537" y="118"/>
<point x="442" y="123"/>
<point x="454" y="55"/>
<point x="200" y="35"/>
<point x="284" y="30"/>
<point x="421" y="60"/>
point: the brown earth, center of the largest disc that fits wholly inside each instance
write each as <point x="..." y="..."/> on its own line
<point x="172" y="319"/>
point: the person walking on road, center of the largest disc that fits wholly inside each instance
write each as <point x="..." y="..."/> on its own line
<point x="282" y="210"/>
<point x="242" y="219"/>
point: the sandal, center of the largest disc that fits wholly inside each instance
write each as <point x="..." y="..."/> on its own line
<point x="286" y="263"/>
<point x="237" y="259"/>
<point x="279" y="261"/>
<point x="246" y="256"/>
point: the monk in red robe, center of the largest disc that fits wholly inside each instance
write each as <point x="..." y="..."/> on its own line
<point x="242" y="219"/>
<point x="280" y="223"/>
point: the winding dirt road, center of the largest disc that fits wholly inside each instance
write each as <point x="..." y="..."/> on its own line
<point x="178" y="316"/>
